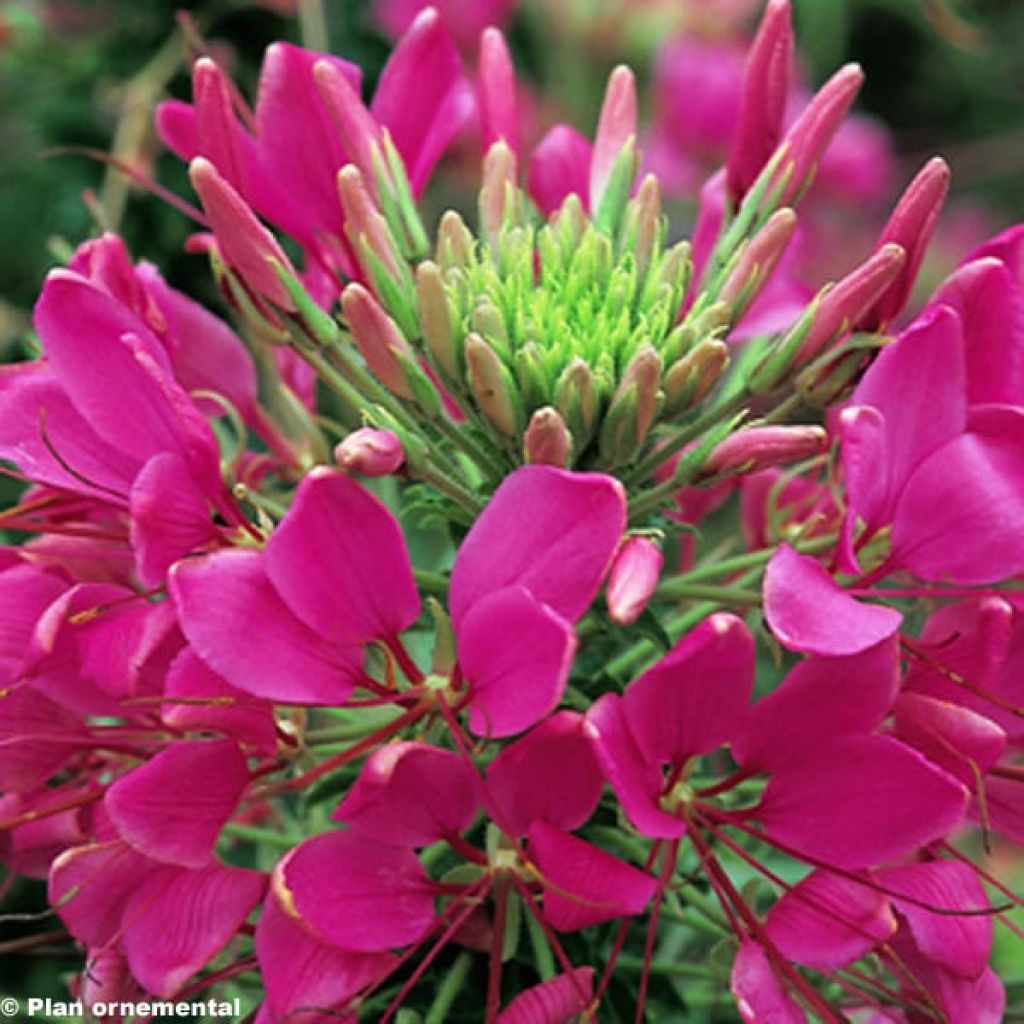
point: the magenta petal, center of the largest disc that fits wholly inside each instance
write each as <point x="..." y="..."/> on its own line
<point x="339" y="561"/>
<point x="551" y="775"/>
<point x="35" y="409"/>
<point x="89" y="885"/>
<point x="515" y="653"/>
<point x="357" y="894"/>
<point x="423" y="97"/>
<point x="827" y="921"/>
<point x="548" y="530"/>
<point x="559" y="168"/>
<point x="958" y="515"/>
<point x="861" y="801"/>
<point x="300" y="971"/>
<point x="411" y="794"/>
<point x="694" y="698"/>
<point x="960" y="943"/>
<point x="583" y="885"/>
<point x="173" y="807"/>
<point x="245" y="718"/>
<point x="557" y="1001"/>
<point x="638" y="783"/>
<point x="99" y="349"/>
<point x="760" y="996"/>
<point x="282" y="658"/>
<point x="177" y="920"/>
<point x="808" y="612"/>
<point x="170" y="517"/>
<point x="819" y="700"/>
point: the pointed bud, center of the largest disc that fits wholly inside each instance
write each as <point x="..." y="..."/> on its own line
<point x="454" y="241"/>
<point x="370" y="452"/>
<point x="436" y="321"/>
<point x="644" y="371"/>
<point x="499" y="193"/>
<point x="689" y="379"/>
<point x="547" y="440"/>
<point x="531" y="376"/>
<point x="910" y="226"/>
<point x="218" y="135"/>
<point x="576" y="398"/>
<point x="616" y="128"/>
<point x="492" y="386"/>
<point x="642" y="231"/>
<point x="842" y="305"/>
<point x="246" y="245"/>
<point x="810" y="134"/>
<point x="490" y="325"/>
<point x="632" y="579"/>
<point x="499" y="119"/>
<point x="378" y="338"/>
<point x="371" y="238"/>
<point x="760" y="447"/>
<point x="756" y="261"/>
<point x="354" y="125"/>
<point x="766" y="79"/>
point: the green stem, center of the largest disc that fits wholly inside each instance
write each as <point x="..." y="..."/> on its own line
<point x="467" y="444"/>
<point x="440" y="481"/>
<point x="258" y="835"/>
<point x="449" y="989"/>
<point x="726" y="595"/>
<point x="435" y="583"/>
<point x="671" y="967"/>
<point x="542" y="957"/>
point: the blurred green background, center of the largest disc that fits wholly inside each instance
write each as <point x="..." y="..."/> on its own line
<point x="946" y="78"/>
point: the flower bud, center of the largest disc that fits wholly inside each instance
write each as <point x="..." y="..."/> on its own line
<point x="499" y="119"/>
<point x="632" y="579"/>
<point x="910" y="226"/>
<point x="454" y="241"/>
<point x="633" y="407"/>
<point x="760" y="447"/>
<point x="842" y="305"/>
<point x="643" y="229"/>
<point x="370" y="452"/>
<point x="436" y="320"/>
<point x="763" y="100"/>
<point x="246" y="245"/>
<point x="576" y="398"/>
<point x="689" y="379"/>
<point x="499" y="193"/>
<point x="377" y="337"/>
<point x="614" y="140"/>
<point x="547" y="440"/>
<point x="350" y="118"/>
<point x="756" y="261"/>
<point x="492" y="386"/>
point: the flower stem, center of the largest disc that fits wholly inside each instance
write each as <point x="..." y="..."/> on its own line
<point x="449" y="989"/>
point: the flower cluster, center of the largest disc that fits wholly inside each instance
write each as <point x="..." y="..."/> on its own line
<point x="508" y="757"/>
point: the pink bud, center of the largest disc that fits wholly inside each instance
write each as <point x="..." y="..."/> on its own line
<point x="247" y="246"/>
<point x="761" y="447"/>
<point x="757" y="261"/>
<point x="365" y="224"/>
<point x="615" y="127"/>
<point x="547" y="439"/>
<point x="910" y="226"/>
<point x="370" y="452"/>
<point x="217" y="131"/>
<point x="632" y="579"/>
<point x="377" y="337"/>
<point x="844" y="304"/>
<point x="353" y="123"/>
<point x="811" y="133"/>
<point x="763" y="103"/>
<point x="499" y="119"/>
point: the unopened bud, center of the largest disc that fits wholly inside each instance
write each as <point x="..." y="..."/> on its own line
<point x="841" y="306"/>
<point x="499" y="193"/>
<point x="377" y="337"/>
<point x="689" y="379"/>
<point x="756" y="261"/>
<point x="499" y="119"/>
<point x="246" y="245"/>
<point x="349" y="117"/>
<point x="454" y="241"/>
<point x="547" y="440"/>
<point x="632" y="579"/>
<point x="614" y="146"/>
<point x="370" y="452"/>
<point x="643" y="229"/>
<point x="910" y="226"/>
<point x="492" y="386"/>
<point x="644" y="371"/>
<point x="576" y="398"/>
<point x="531" y="376"/>
<point x="760" y="447"/>
<point x="436" y="320"/>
